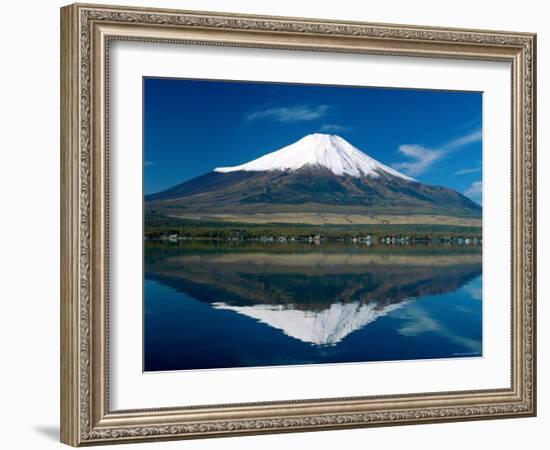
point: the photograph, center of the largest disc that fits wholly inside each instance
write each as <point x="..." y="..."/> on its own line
<point x="293" y="224"/>
<point x="290" y="220"/>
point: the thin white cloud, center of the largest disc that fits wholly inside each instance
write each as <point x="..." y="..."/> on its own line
<point x="148" y="163"/>
<point x="475" y="191"/>
<point x="334" y="128"/>
<point x="287" y="114"/>
<point x="470" y="125"/>
<point x="422" y="159"/>
<point x="469" y="138"/>
<point x="467" y="171"/>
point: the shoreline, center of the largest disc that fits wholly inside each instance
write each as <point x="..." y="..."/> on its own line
<point x="318" y="240"/>
<point x="162" y="227"/>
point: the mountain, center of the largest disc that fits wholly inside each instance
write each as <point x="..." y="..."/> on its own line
<point x="326" y="327"/>
<point x="318" y="295"/>
<point x="319" y="150"/>
<point x="319" y="173"/>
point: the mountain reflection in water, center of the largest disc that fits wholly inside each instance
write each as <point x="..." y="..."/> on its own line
<point x="272" y="304"/>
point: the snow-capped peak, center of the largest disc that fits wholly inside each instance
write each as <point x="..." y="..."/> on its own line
<point x="319" y="150"/>
<point x="326" y="327"/>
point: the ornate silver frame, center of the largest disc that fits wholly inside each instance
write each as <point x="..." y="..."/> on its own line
<point x="86" y="31"/>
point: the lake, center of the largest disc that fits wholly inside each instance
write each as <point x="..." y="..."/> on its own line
<point x="219" y="305"/>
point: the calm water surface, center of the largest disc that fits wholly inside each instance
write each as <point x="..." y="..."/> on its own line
<point x="211" y="305"/>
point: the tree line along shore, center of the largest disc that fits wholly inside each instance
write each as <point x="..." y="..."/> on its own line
<point x="169" y="228"/>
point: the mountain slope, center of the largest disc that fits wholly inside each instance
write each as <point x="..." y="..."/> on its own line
<point x="319" y="150"/>
<point x="319" y="173"/>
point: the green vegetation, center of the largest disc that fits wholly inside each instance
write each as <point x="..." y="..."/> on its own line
<point x="158" y="225"/>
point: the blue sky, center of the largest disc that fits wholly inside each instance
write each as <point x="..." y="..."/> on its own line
<point x="193" y="126"/>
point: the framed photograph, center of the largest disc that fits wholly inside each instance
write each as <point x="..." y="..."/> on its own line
<point x="279" y="224"/>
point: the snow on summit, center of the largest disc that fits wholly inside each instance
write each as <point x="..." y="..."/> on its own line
<point x="321" y="150"/>
<point x="326" y="327"/>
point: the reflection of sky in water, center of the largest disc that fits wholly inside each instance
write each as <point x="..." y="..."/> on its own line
<point x="221" y="310"/>
<point x="418" y="319"/>
<point x="474" y="289"/>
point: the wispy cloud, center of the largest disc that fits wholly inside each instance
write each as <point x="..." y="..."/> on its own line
<point x="148" y="163"/>
<point x="421" y="159"/>
<point x="475" y="191"/>
<point x="470" y="125"/>
<point x="467" y="171"/>
<point x="287" y="114"/>
<point x="474" y="136"/>
<point x="334" y="128"/>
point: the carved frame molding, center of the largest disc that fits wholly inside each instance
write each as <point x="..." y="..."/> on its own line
<point x="86" y="31"/>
